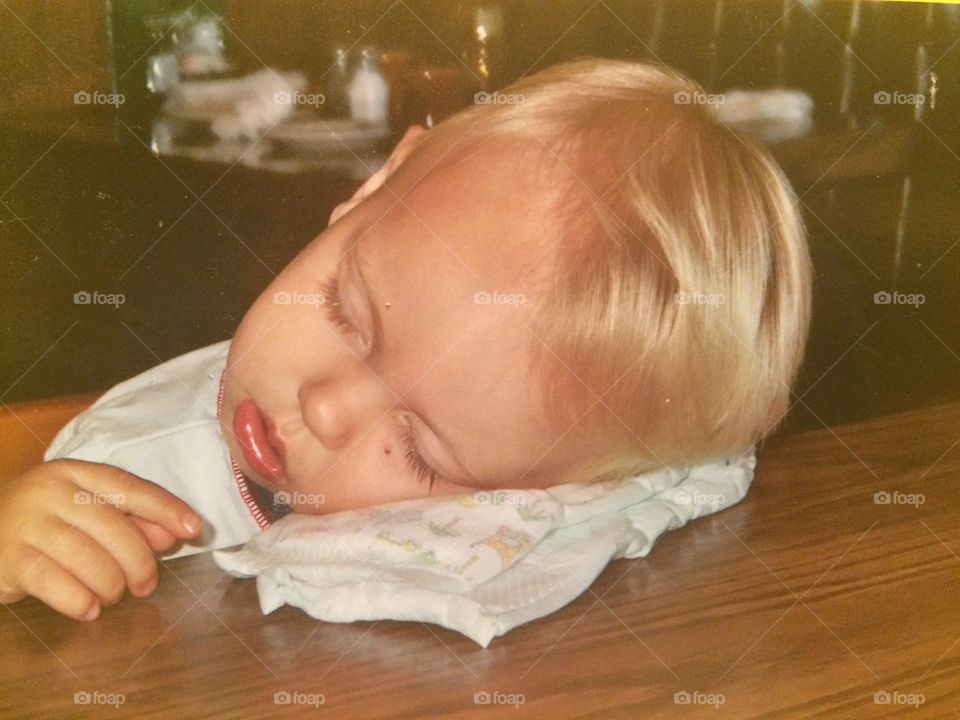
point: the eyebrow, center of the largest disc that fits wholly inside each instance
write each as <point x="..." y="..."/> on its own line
<point x="354" y="260"/>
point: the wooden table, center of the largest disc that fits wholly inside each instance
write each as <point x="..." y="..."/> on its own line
<point x="804" y="600"/>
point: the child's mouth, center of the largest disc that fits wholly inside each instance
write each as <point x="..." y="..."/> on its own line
<point x="262" y="449"/>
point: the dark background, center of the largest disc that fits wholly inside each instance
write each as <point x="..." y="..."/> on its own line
<point x="85" y="204"/>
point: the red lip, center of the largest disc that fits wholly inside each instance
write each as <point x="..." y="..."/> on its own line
<point x="262" y="448"/>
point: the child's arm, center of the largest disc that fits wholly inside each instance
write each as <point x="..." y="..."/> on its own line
<point x="76" y="534"/>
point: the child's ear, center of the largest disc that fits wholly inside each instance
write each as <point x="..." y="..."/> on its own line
<point x="399" y="154"/>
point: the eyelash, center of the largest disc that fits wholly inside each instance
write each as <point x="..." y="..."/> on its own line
<point x="415" y="462"/>
<point x="331" y="304"/>
<point x="411" y="456"/>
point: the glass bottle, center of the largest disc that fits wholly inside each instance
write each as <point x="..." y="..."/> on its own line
<point x="368" y="93"/>
<point x="336" y="102"/>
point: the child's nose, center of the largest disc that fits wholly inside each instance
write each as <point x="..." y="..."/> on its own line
<point x="339" y="410"/>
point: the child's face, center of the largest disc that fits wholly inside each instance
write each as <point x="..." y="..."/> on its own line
<point x="443" y="364"/>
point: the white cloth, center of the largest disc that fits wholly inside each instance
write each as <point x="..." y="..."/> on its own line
<point x="480" y="564"/>
<point x="237" y="108"/>
<point x="162" y="425"/>
<point x="772" y="114"/>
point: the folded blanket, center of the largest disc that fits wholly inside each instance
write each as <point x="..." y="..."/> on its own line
<point x="481" y="564"/>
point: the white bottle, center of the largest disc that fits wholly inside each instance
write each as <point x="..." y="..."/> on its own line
<point x="368" y="92"/>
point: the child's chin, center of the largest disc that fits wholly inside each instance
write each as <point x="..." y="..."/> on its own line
<point x="263" y="483"/>
<point x="306" y="510"/>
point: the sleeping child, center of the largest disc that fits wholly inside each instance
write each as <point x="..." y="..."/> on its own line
<point x="595" y="279"/>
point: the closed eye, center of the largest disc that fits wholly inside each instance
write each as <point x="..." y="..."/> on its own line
<point x="411" y="455"/>
<point x="416" y="462"/>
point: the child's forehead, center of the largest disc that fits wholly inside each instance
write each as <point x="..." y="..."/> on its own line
<point x="497" y="192"/>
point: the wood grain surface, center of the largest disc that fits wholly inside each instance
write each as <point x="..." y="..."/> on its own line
<point x="805" y="600"/>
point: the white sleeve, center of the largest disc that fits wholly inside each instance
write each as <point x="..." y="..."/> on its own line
<point x="162" y="426"/>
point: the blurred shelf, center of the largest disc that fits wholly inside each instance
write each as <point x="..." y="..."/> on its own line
<point x="835" y="156"/>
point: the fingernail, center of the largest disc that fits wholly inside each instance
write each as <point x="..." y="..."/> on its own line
<point x="192" y="524"/>
<point x="148" y="587"/>
<point x="93" y="613"/>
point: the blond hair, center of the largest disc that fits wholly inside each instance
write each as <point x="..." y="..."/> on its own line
<point x="679" y="296"/>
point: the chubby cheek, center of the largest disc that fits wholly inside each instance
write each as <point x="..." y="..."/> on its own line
<point x="276" y="344"/>
<point x="370" y="473"/>
<point x="269" y="320"/>
<point x="295" y="295"/>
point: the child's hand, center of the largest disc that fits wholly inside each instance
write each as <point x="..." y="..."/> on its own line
<point x="76" y="534"/>
<point x="397" y="156"/>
